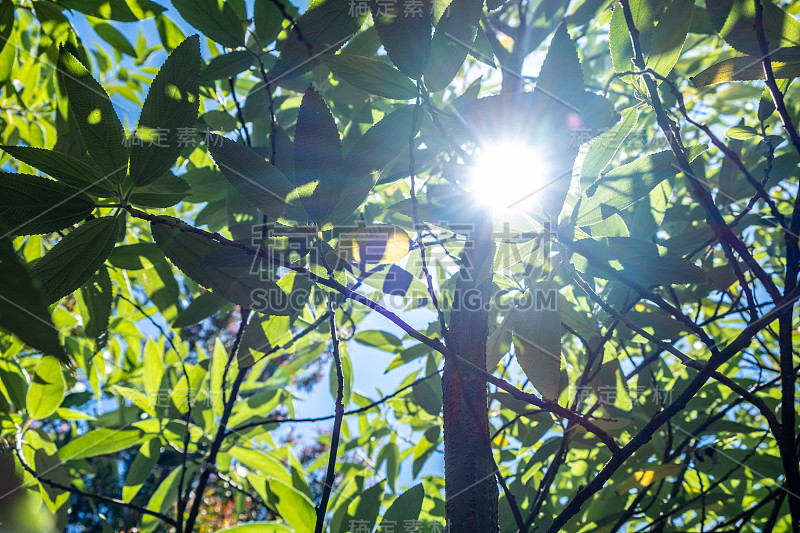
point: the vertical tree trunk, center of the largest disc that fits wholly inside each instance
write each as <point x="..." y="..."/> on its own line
<point x="470" y="487"/>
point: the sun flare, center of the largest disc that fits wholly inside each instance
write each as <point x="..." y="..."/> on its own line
<point x="507" y="174"/>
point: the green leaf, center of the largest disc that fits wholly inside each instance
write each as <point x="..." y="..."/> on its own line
<point x="187" y="387"/>
<point x="407" y="506"/>
<point x="257" y="527"/>
<point x="169" y="109"/>
<point x="269" y="19"/>
<point x="169" y="32"/>
<point x="605" y="146"/>
<point x="97" y="297"/>
<point x="6" y="23"/>
<point x="231" y="273"/>
<point x="743" y="69"/>
<point x="121" y="10"/>
<point x="226" y="66"/>
<point x="324" y="27"/>
<point x="33" y="205"/>
<point x="537" y="338"/>
<point x="347" y="375"/>
<point x="53" y="497"/>
<point x="71" y="262"/>
<point x="112" y="36"/>
<point x="64" y="168"/>
<point x="141" y="468"/>
<point x="370" y="75"/>
<point x="46" y="390"/>
<point x="164" y="496"/>
<point x="391" y="454"/>
<point x="166" y="191"/>
<point x="100" y="441"/>
<point x="741" y="132"/>
<point x="624" y="185"/>
<point x="23" y="310"/>
<point x="734" y="21"/>
<point x="8" y="55"/>
<point x="264" y="462"/>
<point x="293" y="506"/>
<point x="669" y="36"/>
<point x="255" y="179"/>
<point x="215" y="19"/>
<point x="318" y="161"/>
<point x="405" y="28"/>
<point x="453" y="39"/>
<point x="54" y="24"/>
<point x="98" y="124"/>
<point x="619" y="39"/>
<point x="202" y="307"/>
<point x="644" y="262"/>
<point x="498" y="343"/>
<point x="369" y="505"/>
<point x="371" y="153"/>
<point x="380" y="340"/>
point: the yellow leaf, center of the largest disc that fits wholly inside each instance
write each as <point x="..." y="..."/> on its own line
<point x="375" y="244"/>
<point x="645" y="478"/>
<point x="744" y="69"/>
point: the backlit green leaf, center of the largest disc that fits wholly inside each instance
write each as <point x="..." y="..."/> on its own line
<point x="624" y="185"/>
<point x="668" y="37"/>
<point x="100" y="441"/>
<point x="112" y="36"/>
<point x="734" y="21"/>
<point x="121" y="10"/>
<point x="47" y="388"/>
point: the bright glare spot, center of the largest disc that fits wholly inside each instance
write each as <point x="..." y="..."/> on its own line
<point x="173" y="92"/>
<point x="94" y="117"/>
<point x="507" y="174"/>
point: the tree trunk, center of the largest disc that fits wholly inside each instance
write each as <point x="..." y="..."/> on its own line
<point x="470" y="489"/>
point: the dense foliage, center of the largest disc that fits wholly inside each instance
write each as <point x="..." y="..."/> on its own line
<point x="196" y="230"/>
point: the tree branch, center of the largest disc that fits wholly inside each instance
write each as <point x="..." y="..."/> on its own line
<point x="107" y="499"/>
<point x="337" y="427"/>
<point x="644" y="436"/>
<point x="220" y="436"/>
<point x="785" y="327"/>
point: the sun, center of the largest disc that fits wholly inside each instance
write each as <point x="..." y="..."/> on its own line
<point x="507" y="174"/>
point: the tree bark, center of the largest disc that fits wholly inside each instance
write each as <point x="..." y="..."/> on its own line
<point x="471" y="493"/>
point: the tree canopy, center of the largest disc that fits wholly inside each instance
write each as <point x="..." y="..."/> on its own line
<point x="543" y="254"/>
